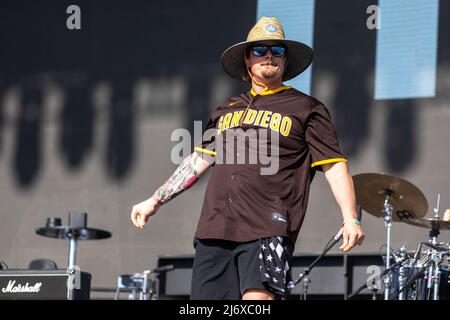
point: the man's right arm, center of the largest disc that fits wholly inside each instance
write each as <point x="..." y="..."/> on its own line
<point x="187" y="173"/>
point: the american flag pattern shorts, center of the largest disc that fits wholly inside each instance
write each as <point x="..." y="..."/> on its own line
<point x="275" y="256"/>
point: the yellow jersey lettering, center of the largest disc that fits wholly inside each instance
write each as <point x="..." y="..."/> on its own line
<point x="219" y="127"/>
<point x="251" y="114"/>
<point x="258" y="117"/>
<point x="262" y="118"/>
<point x="275" y="121"/>
<point x="226" y="121"/>
<point x="266" y="117"/>
<point x="236" y="117"/>
<point x="286" y="126"/>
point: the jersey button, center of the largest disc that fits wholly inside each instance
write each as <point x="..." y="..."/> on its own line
<point x="232" y="177"/>
<point x="230" y="200"/>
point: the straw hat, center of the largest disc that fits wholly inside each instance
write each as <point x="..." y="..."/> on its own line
<point x="299" y="54"/>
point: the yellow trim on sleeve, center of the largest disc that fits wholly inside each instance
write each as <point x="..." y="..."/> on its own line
<point x="319" y="163"/>
<point x="233" y="103"/>
<point x="265" y="93"/>
<point x="213" y="153"/>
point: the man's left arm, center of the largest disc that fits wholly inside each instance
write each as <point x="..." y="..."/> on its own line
<point x="341" y="184"/>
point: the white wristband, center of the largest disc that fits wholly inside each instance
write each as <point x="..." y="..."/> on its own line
<point x="355" y="221"/>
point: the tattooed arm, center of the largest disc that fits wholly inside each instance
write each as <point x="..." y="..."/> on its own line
<point x="182" y="179"/>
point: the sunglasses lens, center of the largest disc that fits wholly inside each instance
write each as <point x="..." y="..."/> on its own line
<point x="259" y="51"/>
<point x="278" y="51"/>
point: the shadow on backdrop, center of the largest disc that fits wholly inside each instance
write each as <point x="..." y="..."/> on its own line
<point x="350" y="61"/>
<point x="120" y="144"/>
<point x="400" y="139"/>
<point x="27" y="155"/>
<point x="76" y="121"/>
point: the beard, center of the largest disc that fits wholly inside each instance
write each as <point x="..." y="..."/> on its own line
<point x="269" y="73"/>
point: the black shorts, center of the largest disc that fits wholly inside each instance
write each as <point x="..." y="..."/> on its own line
<point x="224" y="270"/>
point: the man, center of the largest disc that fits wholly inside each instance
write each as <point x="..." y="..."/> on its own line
<point x="250" y="221"/>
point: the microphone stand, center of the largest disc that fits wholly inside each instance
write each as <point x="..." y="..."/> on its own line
<point x="304" y="275"/>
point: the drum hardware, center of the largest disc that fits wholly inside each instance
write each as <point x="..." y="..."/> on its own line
<point x="390" y="198"/>
<point x="76" y="230"/>
<point x="401" y="295"/>
<point x="401" y="273"/>
<point x="413" y="276"/>
<point x="436" y="275"/>
<point x="402" y="256"/>
<point x="435" y="254"/>
<point x="423" y="278"/>
<point x="385" y="273"/>
<point x="422" y="262"/>
<point x="427" y="278"/>
<point x="428" y="275"/>
<point x="145" y="285"/>
<point x="402" y="282"/>
<point x="387" y="208"/>
<point x="435" y="228"/>
<point x="420" y="275"/>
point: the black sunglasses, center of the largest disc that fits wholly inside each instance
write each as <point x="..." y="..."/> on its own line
<point x="261" y="50"/>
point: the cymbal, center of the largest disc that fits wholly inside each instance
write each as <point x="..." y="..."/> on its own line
<point x="62" y="232"/>
<point x="430" y="223"/>
<point x="446" y="215"/>
<point x="407" y="200"/>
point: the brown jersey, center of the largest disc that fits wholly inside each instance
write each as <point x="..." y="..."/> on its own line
<point x="241" y="204"/>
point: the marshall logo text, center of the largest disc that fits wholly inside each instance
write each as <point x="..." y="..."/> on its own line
<point x="19" y="288"/>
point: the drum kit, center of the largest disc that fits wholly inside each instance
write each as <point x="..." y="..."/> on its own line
<point x="422" y="274"/>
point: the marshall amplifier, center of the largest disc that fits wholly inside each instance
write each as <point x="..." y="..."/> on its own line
<point x="70" y="284"/>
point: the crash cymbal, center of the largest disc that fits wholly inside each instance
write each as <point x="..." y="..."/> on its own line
<point x="430" y="223"/>
<point x="407" y="200"/>
<point x="62" y="232"/>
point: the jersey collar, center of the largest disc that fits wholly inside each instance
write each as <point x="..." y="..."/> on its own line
<point x="267" y="92"/>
